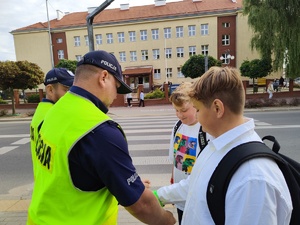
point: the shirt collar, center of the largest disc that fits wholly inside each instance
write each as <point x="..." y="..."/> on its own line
<point x="84" y="93"/>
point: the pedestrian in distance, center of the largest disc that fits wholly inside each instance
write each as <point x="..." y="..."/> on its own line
<point x="184" y="143"/>
<point x="142" y="96"/>
<point x="57" y="82"/>
<point x="84" y="169"/>
<point x="257" y="193"/>
<point x="270" y="89"/>
<point x="129" y="99"/>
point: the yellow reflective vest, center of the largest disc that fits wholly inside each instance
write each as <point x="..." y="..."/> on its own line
<point x="55" y="200"/>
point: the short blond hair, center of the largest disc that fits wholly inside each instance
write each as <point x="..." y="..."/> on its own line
<point x="222" y="83"/>
<point x="181" y="94"/>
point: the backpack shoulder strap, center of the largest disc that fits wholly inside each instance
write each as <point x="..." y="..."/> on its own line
<point x="177" y="125"/>
<point x="219" y="181"/>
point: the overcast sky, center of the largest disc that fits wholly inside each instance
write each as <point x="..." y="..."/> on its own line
<point x="20" y="13"/>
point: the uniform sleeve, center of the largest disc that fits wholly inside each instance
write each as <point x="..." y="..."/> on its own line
<point x="101" y="159"/>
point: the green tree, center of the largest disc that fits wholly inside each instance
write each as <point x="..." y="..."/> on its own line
<point x="195" y="66"/>
<point x="68" y="64"/>
<point x="256" y="68"/>
<point x="276" y="26"/>
<point x="19" y="75"/>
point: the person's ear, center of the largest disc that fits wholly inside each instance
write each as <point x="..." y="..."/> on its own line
<point x="218" y="108"/>
<point x="102" y="77"/>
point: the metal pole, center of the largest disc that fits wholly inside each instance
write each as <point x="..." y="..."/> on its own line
<point x="50" y="39"/>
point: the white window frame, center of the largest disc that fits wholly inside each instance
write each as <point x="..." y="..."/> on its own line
<point x="204" y="49"/>
<point x="132" y="36"/>
<point x="225" y="39"/>
<point x="133" y="56"/>
<point x="121" y="37"/>
<point x="60" y="54"/>
<point x="180" y="52"/>
<point x="192" y="50"/>
<point x="192" y="30"/>
<point x="169" y="72"/>
<point x="157" y="74"/>
<point x="143" y="35"/>
<point x="156" y="54"/>
<point x="86" y="39"/>
<point x="168" y="53"/>
<point x="76" y="41"/>
<point x="179" y="73"/>
<point x="204" y="29"/>
<point x="167" y="32"/>
<point x="59" y="40"/>
<point x="226" y="24"/>
<point x="122" y="56"/>
<point x="155" y="34"/>
<point x="78" y="57"/>
<point x="98" y="38"/>
<point x="144" y="55"/>
<point x="179" y="32"/>
<point x="109" y="38"/>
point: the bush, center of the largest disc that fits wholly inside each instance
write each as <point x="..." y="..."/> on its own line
<point x="282" y="102"/>
<point x="2" y="101"/>
<point x="295" y="102"/>
<point x="3" y="112"/>
<point x="270" y="102"/>
<point x="254" y="103"/>
<point x="35" y="98"/>
<point x="155" y="94"/>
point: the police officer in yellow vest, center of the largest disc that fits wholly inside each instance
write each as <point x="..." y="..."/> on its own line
<point x="84" y="169"/>
<point x="57" y="82"/>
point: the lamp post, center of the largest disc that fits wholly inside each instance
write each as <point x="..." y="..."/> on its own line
<point x="226" y="57"/>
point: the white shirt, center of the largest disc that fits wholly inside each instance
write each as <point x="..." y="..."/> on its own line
<point x="256" y="195"/>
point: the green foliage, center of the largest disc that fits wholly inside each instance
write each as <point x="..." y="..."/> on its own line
<point x="276" y="32"/>
<point x="155" y="94"/>
<point x="3" y="112"/>
<point x="195" y="66"/>
<point x="2" y="101"/>
<point x="256" y="68"/>
<point x="68" y="64"/>
<point x="35" y="98"/>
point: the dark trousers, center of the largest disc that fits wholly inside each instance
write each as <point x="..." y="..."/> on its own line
<point x="128" y="101"/>
<point x="141" y="102"/>
<point x="179" y="213"/>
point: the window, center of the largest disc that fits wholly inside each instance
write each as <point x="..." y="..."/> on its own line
<point x="155" y="53"/>
<point x="204" y="29"/>
<point x="86" y="39"/>
<point x="121" y="37"/>
<point x="59" y="40"/>
<point x="132" y="37"/>
<point x="179" y="32"/>
<point x="133" y="56"/>
<point x="179" y="72"/>
<point x="192" y="50"/>
<point x="78" y="57"/>
<point x="61" y="54"/>
<point x="77" y="41"/>
<point x="226" y="59"/>
<point x="122" y="56"/>
<point x="225" y="25"/>
<point x="144" y="54"/>
<point x="168" y="53"/>
<point x="143" y="35"/>
<point x="167" y="32"/>
<point x="192" y="30"/>
<point x="155" y="34"/>
<point x="204" y="49"/>
<point x="180" y="52"/>
<point x="169" y="72"/>
<point x="99" y="39"/>
<point x="225" y="39"/>
<point x="109" y="38"/>
<point x="157" y="74"/>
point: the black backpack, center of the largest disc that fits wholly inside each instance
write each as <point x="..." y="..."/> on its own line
<point x="201" y="136"/>
<point x="219" y="181"/>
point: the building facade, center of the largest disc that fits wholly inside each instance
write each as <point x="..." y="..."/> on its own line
<point x="151" y="42"/>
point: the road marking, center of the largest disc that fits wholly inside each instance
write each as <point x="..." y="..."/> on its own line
<point x="21" y="141"/>
<point x="14" y="136"/>
<point x="6" y="149"/>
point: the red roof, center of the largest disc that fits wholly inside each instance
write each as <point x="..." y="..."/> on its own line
<point x="181" y="8"/>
